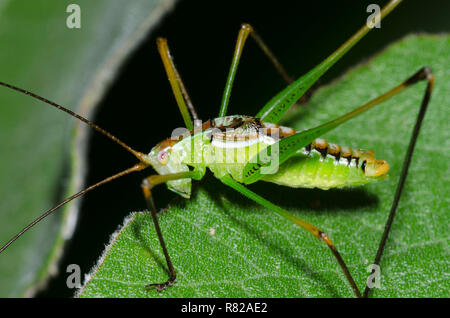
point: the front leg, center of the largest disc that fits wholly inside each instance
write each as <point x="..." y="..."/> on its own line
<point x="147" y="185"/>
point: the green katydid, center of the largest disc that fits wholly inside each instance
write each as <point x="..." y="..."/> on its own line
<point x="241" y="150"/>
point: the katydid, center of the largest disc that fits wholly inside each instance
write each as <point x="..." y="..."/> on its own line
<point x="242" y="149"/>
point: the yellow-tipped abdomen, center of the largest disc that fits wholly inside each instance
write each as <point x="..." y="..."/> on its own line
<point x="376" y="168"/>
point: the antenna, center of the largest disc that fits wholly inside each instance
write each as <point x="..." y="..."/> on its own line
<point x="137" y="154"/>
<point x="136" y="167"/>
<point x="139" y="166"/>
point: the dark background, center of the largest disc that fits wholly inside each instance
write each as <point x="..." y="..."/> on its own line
<point x="141" y="110"/>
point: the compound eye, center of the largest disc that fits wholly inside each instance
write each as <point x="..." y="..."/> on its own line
<point x="163" y="157"/>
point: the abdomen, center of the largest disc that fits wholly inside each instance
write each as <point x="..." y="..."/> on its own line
<point x="323" y="165"/>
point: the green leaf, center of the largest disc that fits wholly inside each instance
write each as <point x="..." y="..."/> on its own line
<point x="223" y="245"/>
<point x="72" y="67"/>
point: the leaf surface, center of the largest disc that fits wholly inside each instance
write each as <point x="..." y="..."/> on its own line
<point x="223" y="245"/>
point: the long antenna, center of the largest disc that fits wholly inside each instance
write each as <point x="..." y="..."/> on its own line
<point x="139" y="166"/>
<point x="138" y="154"/>
<point x="136" y="167"/>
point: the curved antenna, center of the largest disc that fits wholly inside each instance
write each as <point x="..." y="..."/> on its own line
<point x="136" y="167"/>
<point x="141" y="156"/>
<point x="137" y="154"/>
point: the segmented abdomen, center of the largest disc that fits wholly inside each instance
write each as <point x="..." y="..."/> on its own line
<point x="324" y="165"/>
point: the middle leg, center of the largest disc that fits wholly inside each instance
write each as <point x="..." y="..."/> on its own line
<point x="244" y="32"/>
<point x="319" y="234"/>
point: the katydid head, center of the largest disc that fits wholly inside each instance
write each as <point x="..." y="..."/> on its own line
<point x="167" y="159"/>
